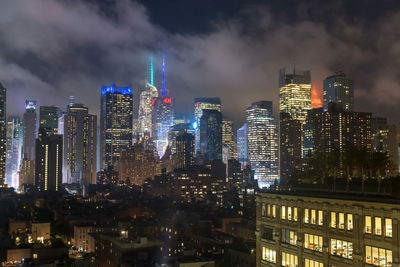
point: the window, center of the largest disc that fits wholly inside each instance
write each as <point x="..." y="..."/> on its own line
<point x="333" y="219"/>
<point x="273" y="211"/>
<point x="378" y="256"/>
<point x="269" y="254"/>
<point x="269" y="210"/>
<point x="313" y="242"/>
<point x="313" y="217"/>
<point x="295" y="214"/>
<point x="268" y="233"/>
<point x="289" y="237"/>
<point x="283" y="212"/>
<point x="320" y="217"/>
<point x="289" y="213"/>
<point x="368" y="225"/>
<point x="342" y="248"/>
<point x="263" y="212"/>
<point x="388" y="227"/>
<point x="378" y="226"/>
<point x="306" y="216"/>
<point x="349" y="221"/>
<point x="341" y="220"/>
<point x="313" y="263"/>
<point x="289" y="260"/>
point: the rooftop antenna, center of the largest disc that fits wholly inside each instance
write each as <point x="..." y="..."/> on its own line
<point x="151" y="71"/>
<point x="163" y="89"/>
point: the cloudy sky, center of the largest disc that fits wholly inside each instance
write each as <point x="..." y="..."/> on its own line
<point x="233" y="49"/>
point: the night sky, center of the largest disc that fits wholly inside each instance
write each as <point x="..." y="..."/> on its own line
<point x="233" y="49"/>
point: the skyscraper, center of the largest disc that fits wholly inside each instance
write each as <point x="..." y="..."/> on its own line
<point x="242" y="145"/>
<point x="48" y="167"/>
<point x="228" y="141"/>
<point x="145" y="104"/>
<point x="211" y="134"/>
<point x="14" y="150"/>
<point x="339" y="89"/>
<point x="163" y="116"/>
<point x="48" y="120"/>
<point x="49" y="151"/>
<point x="116" y="111"/>
<point x="175" y="131"/>
<point x="3" y="134"/>
<point x="262" y="136"/>
<point x="29" y="121"/>
<point x="184" y="150"/>
<point x="200" y="104"/>
<point x="80" y="143"/>
<point x="295" y="93"/>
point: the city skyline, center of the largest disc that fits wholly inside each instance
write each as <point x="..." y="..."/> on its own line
<point x="196" y="67"/>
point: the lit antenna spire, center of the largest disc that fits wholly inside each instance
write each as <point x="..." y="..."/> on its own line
<point x="151" y="71"/>
<point x="163" y="89"/>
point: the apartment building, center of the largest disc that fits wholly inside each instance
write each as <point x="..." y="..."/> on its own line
<point x="318" y="229"/>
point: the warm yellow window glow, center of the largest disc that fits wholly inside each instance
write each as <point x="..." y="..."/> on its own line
<point x="295" y="214"/>
<point x="378" y="226"/>
<point x="333" y="219"/>
<point x="283" y="212"/>
<point x="306" y="216"/>
<point x="320" y="217"/>
<point x="289" y="215"/>
<point x="368" y="225"/>
<point x="341" y="220"/>
<point x="273" y="211"/>
<point x="388" y="227"/>
<point x="349" y="221"/>
<point x="269" y="254"/>
<point x="313" y="216"/>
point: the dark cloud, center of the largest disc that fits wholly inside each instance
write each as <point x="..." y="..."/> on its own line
<point x="53" y="49"/>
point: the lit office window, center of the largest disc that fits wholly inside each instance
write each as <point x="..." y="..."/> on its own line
<point x="378" y="256"/>
<point x="368" y="224"/>
<point x="269" y="210"/>
<point x="269" y="254"/>
<point x="313" y="217"/>
<point x="378" y="226"/>
<point x="306" y="216"/>
<point x="274" y="211"/>
<point x="320" y="217"/>
<point x="341" y="220"/>
<point x="313" y="242"/>
<point x="388" y="227"/>
<point x="283" y="212"/>
<point x="295" y="214"/>
<point x="289" y="237"/>
<point x="342" y="248"/>
<point x="289" y="260"/>
<point x="289" y="213"/>
<point x="313" y="263"/>
<point x="349" y="221"/>
<point x="333" y="219"/>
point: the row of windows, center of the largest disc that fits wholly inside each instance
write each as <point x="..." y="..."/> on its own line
<point x="342" y="248"/>
<point x="313" y="242"/>
<point x="376" y="226"/>
<point x="289" y="237"/>
<point x="341" y="220"/>
<point x="289" y="260"/>
<point x="268" y="254"/>
<point x="378" y="256"/>
<point x="311" y="216"/>
<point x="313" y="263"/>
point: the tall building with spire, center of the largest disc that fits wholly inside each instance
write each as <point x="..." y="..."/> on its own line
<point x="116" y="118"/>
<point x="163" y="116"/>
<point x="145" y="102"/>
<point x="3" y="133"/>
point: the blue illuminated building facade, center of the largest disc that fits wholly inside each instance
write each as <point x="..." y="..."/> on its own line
<point x="116" y="110"/>
<point x="242" y="145"/>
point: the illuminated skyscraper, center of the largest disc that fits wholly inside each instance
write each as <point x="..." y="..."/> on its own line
<point x="184" y="150"/>
<point x="29" y="121"/>
<point x="163" y="117"/>
<point x="262" y="136"/>
<point x="116" y="111"/>
<point x="80" y="143"/>
<point x="340" y="90"/>
<point x="200" y="104"/>
<point x="3" y="133"/>
<point x="211" y="134"/>
<point x="242" y="145"/>
<point x="145" y="104"/>
<point x="48" y="120"/>
<point x="175" y="131"/>
<point x="48" y="167"/>
<point x="228" y="141"/>
<point x="295" y="94"/>
<point x="14" y="150"/>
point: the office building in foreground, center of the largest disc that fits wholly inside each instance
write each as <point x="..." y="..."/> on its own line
<point x="326" y="229"/>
